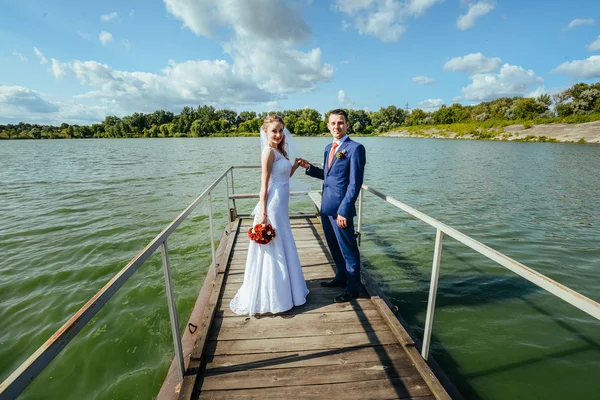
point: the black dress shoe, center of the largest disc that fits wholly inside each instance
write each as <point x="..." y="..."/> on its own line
<point x="344" y="297"/>
<point x="334" y="283"/>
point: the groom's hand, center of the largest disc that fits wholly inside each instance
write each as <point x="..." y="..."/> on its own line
<point x="303" y="163"/>
<point x="341" y="221"/>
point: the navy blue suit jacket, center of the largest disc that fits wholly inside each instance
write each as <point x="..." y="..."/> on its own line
<point x="341" y="183"/>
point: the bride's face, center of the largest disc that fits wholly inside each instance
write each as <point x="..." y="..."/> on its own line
<point x="275" y="133"/>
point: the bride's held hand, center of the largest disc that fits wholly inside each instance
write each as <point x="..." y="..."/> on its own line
<point x="302" y="163"/>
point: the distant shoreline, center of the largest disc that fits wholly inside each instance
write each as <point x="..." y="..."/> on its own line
<point x="588" y="132"/>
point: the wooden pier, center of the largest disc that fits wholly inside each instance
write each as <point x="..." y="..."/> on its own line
<point x="355" y="350"/>
<point x="319" y="350"/>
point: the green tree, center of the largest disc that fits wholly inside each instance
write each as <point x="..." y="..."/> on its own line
<point x="416" y="117"/>
<point x="443" y="115"/>
<point x="246" y="116"/>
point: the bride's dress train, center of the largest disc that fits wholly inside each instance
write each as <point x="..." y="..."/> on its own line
<point x="273" y="280"/>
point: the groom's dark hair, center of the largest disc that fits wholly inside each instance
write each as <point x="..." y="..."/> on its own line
<point x="339" y="111"/>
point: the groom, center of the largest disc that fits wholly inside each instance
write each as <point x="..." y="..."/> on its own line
<point x="342" y="175"/>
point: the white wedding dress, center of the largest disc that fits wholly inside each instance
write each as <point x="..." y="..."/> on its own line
<point x="273" y="280"/>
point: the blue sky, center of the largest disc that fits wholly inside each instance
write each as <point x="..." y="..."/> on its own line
<point x="73" y="61"/>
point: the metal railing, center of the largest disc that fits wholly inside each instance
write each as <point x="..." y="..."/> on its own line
<point x="583" y="303"/>
<point x="18" y="381"/>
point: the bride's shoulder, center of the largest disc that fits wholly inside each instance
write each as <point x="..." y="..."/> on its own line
<point x="269" y="153"/>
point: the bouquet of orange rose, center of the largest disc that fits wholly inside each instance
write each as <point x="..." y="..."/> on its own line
<point x="261" y="233"/>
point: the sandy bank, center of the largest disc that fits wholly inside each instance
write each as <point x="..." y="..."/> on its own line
<point x="566" y="133"/>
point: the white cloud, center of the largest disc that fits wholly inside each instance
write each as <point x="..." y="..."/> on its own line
<point x="263" y="20"/>
<point x="456" y="99"/>
<point x="85" y="36"/>
<point x="59" y="70"/>
<point x="511" y="81"/>
<point x="475" y="11"/>
<point x="178" y="85"/>
<point x="352" y="6"/>
<point x="419" y="7"/>
<point x="580" y="69"/>
<point x="383" y="24"/>
<point x="422" y="80"/>
<point x="260" y="31"/>
<point x="22" y="104"/>
<point x="109" y="17"/>
<point x="294" y="71"/>
<point x="344" y="99"/>
<point x="579" y="22"/>
<point x="21" y="56"/>
<point x="384" y="19"/>
<point x="272" y="106"/>
<point x="473" y="63"/>
<point x="132" y="12"/>
<point x="105" y="37"/>
<point x="431" y="104"/>
<point x="18" y="98"/>
<point x="595" y="45"/>
<point x="126" y="43"/>
<point x="43" y="60"/>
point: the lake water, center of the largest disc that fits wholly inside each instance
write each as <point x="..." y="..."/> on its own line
<point x="74" y="212"/>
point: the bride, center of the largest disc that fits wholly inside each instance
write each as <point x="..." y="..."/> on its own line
<point x="273" y="280"/>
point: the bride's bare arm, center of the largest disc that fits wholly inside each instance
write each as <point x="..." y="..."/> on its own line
<point x="267" y="166"/>
<point x="295" y="166"/>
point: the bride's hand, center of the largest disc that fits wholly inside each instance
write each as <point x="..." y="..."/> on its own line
<point x="262" y="219"/>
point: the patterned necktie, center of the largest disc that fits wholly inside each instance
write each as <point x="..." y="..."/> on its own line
<point x="331" y="154"/>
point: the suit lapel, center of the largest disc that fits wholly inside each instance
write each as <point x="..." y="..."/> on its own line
<point x="339" y="149"/>
<point x="326" y="163"/>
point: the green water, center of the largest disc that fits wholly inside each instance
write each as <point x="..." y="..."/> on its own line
<point x="73" y="213"/>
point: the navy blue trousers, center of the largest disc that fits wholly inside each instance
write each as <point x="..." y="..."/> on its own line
<point x="344" y="249"/>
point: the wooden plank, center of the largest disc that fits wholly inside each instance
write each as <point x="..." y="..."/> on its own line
<point x="222" y="347"/>
<point x="312" y="307"/>
<point x="301" y="243"/>
<point x="171" y="385"/>
<point x="257" y="195"/>
<point x="313" y="358"/>
<point x="309" y="274"/>
<point x="318" y="296"/>
<point x="320" y="271"/>
<point x="399" y="388"/>
<point x="189" y="381"/>
<point x="428" y="376"/>
<point x="401" y="334"/>
<point x="316" y="198"/>
<point x="300" y="325"/>
<point x="406" y="340"/>
<point x="305" y="261"/>
<point x="303" y="376"/>
<point x="314" y="285"/>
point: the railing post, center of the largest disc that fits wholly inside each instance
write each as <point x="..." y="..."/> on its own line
<point x="435" y="273"/>
<point x="233" y="192"/>
<point x="229" y="221"/>
<point x="360" y="214"/>
<point x="212" y="237"/>
<point x="172" y="310"/>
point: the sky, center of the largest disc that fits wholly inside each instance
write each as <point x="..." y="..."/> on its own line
<point x="78" y="61"/>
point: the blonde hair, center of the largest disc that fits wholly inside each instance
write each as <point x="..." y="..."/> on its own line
<point x="275" y="118"/>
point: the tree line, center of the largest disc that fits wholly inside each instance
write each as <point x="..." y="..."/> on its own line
<point x="205" y="120"/>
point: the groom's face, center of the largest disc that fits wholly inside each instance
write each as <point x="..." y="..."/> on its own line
<point x="337" y="126"/>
